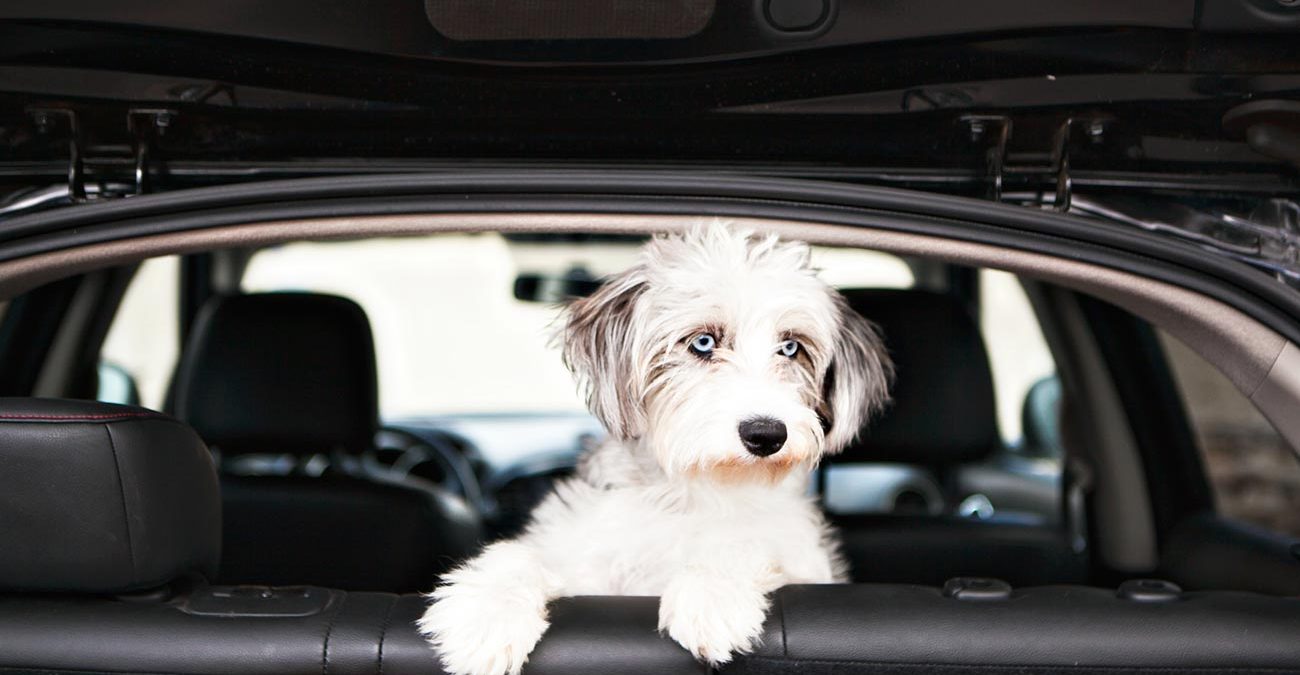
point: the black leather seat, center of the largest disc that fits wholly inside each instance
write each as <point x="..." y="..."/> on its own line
<point x="98" y="498"/>
<point x="1144" y="626"/>
<point x="111" y="524"/>
<point x="294" y="374"/>
<point x="942" y="418"/>
<point x="110" y="519"/>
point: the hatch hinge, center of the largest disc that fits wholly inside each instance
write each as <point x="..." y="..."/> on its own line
<point x="144" y="125"/>
<point x="49" y="121"/>
<point x="998" y="128"/>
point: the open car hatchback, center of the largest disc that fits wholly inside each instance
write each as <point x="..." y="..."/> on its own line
<point x="278" y="289"/>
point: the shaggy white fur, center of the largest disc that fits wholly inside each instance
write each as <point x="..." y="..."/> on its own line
<point x="712" y="330"/>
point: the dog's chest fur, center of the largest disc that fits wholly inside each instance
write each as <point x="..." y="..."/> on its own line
<point x="621" y="527"/>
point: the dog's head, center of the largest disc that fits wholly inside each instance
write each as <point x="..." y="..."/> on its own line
<point x="727" y="356"/>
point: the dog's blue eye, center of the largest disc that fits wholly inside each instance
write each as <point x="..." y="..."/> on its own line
<point x="703" y="344"/>
<point x="788" y="348"/>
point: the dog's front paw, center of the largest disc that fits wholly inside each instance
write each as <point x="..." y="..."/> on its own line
<point x="713" y="619"/>
<point x="479" y="632"/>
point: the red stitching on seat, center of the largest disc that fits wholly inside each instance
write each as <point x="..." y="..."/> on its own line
<point x="78" y="418"/>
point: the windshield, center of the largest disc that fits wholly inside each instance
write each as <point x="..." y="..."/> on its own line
<point x="450" y="335"/>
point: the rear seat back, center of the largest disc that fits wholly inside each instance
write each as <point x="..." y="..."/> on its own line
<point x="111" y="526"/>
<point x="978" y="625"/>
<point x="308" y="630"/>
<point x="132" y="598"/>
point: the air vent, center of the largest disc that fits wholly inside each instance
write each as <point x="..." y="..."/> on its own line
<point x="468" y="20"/>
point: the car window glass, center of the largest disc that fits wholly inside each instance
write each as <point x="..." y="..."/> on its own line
<point x="450" y="335"/>
<point x="1253" y="473"/>
<point x="143" y="342"/>
<point x="1018" y="354"/>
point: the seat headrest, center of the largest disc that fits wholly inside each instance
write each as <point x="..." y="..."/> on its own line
<point x="943" y="408"/>
<point x="280" y="373"/>
<point x="99" y="498"/>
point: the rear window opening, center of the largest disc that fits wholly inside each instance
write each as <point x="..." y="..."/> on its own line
<point x="474" y="397"/>
<point x="433" y="300"/>
<point x="1005" y="505"/>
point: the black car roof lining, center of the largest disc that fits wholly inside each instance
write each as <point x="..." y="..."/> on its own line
<point x="1095" y="241"/>
<point x="736" y="29"/>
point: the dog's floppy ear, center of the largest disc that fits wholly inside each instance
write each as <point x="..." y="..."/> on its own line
<point x="857" y="381"/>
<point x="597" y="347"/>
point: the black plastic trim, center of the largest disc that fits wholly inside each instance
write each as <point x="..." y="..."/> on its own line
<point x="1098" y="242"/>
<point x="1175" y="474"/>
<point x="27" y="332"/>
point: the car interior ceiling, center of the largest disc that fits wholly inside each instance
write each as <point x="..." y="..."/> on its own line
<point x="347" y="546"/>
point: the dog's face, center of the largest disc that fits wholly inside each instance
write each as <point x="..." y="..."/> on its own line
<point x="727" y="356"/>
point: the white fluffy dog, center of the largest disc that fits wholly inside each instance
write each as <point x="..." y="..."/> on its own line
<point x="723" y="370"/>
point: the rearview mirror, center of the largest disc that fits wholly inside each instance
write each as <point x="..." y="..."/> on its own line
<point x="577" y="282"/>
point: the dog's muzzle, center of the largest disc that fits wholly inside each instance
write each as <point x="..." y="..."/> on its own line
<point x="762" y="436"/>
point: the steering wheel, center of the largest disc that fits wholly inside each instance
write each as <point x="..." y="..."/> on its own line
<point x="431" y="447"/>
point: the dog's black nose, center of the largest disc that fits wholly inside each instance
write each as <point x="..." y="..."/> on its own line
<point x="762" y="436"/>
